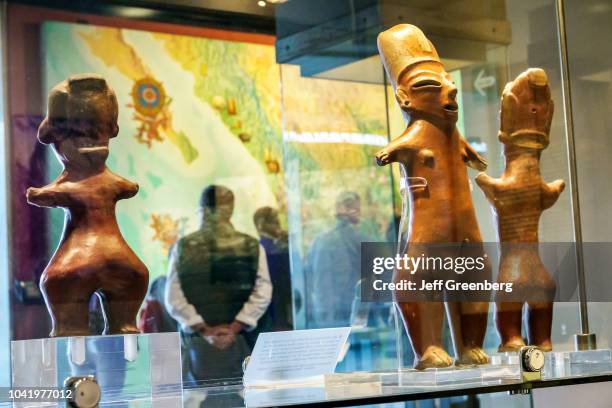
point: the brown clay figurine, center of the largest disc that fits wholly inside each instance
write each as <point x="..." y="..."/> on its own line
<point x="92" y="256"/>
<point x="519" y="197"/>
<point x="441" y="209"/>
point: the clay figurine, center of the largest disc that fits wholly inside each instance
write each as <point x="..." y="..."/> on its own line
<point x="92" y="256"/>
<point x="441" y="211"/>
<point x="519" y="197"/>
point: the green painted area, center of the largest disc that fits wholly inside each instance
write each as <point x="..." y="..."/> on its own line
<point x="155" y="181"/>
<point x="189" y="152"/>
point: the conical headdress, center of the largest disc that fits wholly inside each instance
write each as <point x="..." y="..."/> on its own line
<point x="402" y="46"/>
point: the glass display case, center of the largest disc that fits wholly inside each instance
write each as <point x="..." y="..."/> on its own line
<point x="278" y="148"/>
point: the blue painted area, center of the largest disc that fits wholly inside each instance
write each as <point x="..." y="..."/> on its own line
<point x="131" y="165"/>
<point x="58" y="39"/>
<point x="155" y="181"/>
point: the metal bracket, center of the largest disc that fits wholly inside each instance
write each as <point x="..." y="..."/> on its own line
<point x="84" y="392"/>
<point x="531" y="363"/>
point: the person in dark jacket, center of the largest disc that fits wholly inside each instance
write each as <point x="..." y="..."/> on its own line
<point x="218" y="288"/>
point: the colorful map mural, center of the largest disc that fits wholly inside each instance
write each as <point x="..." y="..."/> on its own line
<point x="195" y="111"/>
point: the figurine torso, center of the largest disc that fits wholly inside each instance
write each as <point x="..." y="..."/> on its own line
<point x="519" y="200"/>
<point x="442" y="211"/>
<point x="91" y="239"/>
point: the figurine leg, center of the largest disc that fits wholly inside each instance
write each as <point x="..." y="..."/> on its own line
<point x="121" y="316"/>
<point x="540" y="324"/>
<point x="67" y="300"/>
<point x="123" y="302"/>
<point x="468" y="321"/>
<point x="508" y="319"/>
<point x="423" y="322"/>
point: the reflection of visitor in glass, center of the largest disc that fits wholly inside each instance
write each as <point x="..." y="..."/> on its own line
<point x="333" y="266"/>
<point x="275" y="242"/>
<point x="218" y="288"/>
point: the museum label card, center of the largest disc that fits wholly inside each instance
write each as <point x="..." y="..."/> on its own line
<point x="294" y="356"/>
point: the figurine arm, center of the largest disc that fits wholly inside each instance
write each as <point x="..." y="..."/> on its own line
<point x="488" y="185"/>
<point x="127" y="189"/>
<point x="401" y="149"/>
<point x="472" y="158"/>
<point x="48" y="196"/>
<point x="551" y="192"/>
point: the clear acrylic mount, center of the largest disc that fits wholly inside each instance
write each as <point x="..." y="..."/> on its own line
<point x="133" y="367"/>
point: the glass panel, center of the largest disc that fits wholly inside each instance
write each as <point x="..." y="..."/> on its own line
<point x="5" y="333"/>
<point x="542" y="50"/>
<point x="337" y="199"/>
<point x="126" y="368"/>
<point x="258" y="180"/>
<point x="591" y="77"/>
<point x="194" y="111"/>
<point x="480" y="64"/>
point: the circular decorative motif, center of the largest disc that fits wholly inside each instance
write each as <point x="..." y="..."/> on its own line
<point x="149" y="96"/>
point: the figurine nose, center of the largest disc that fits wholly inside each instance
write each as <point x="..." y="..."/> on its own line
<point x="452" y="94"/>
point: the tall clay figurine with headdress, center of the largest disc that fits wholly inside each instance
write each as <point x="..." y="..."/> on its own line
<point x="441" y="211"/>
<point x="519" y="197"/>
<point x="92" y="256"/>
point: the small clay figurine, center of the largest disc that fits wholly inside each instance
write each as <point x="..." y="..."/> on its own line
<point x="92" y="256"/>
<point x="519" y="197"/>
<point x="441" y="211"/>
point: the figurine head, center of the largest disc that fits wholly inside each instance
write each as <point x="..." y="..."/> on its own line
<point x="423" y="88"/>
<point x="527" y="111"/>
<point x="217" y="203"/>
<point x="81" y="119"/>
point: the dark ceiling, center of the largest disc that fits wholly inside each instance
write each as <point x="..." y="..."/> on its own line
<point x="243" y="15"/>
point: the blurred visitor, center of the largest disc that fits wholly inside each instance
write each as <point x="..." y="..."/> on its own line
<point x="218" y="288"/>
<point x="275" y="242"/>
<point x="333" y="266"/>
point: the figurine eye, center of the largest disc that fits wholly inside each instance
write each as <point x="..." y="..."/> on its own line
<point x="427" y="83"/>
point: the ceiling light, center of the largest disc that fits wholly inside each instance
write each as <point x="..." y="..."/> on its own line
<point x="261" y="3"/>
